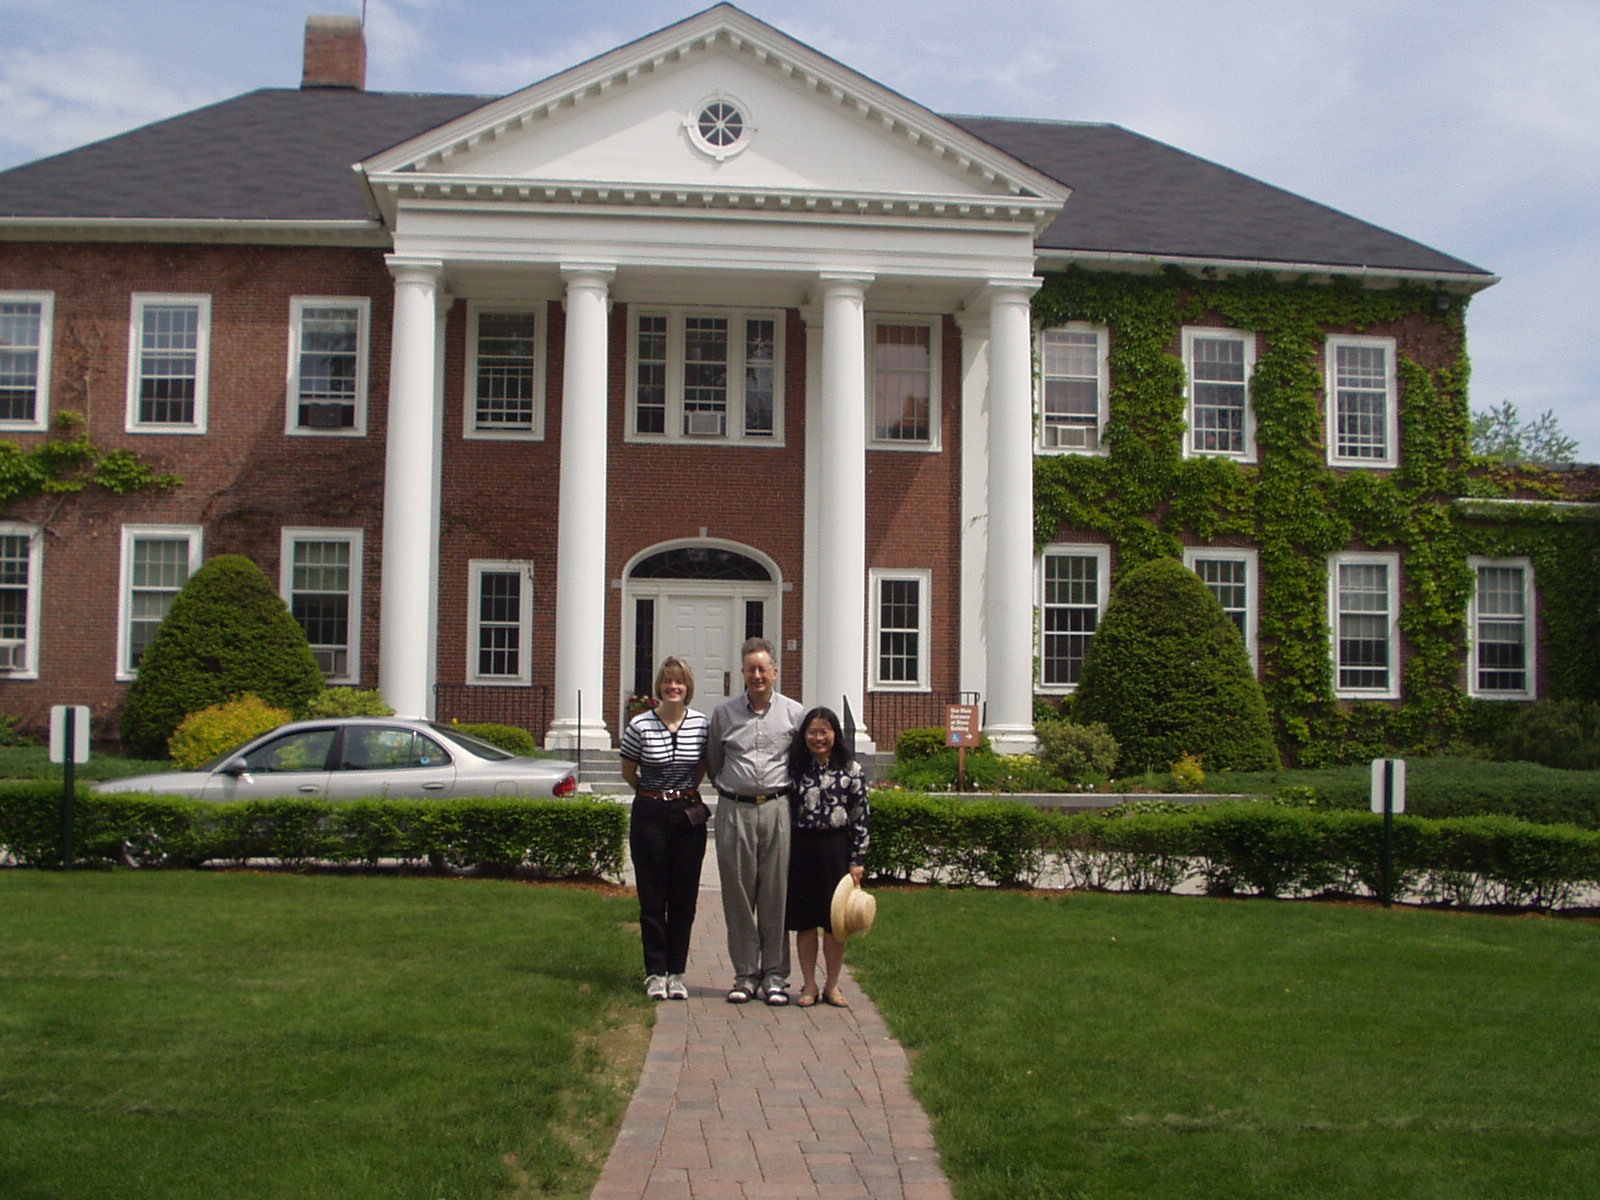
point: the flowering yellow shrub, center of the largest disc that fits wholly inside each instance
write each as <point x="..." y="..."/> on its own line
<point x="204" y="735"/>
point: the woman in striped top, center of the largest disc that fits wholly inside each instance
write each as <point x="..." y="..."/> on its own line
<point x="663" y="753"/>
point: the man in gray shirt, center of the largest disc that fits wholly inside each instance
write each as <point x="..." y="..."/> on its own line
<point x="747" y="759"/>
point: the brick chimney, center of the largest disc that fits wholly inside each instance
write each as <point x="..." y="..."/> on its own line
<point x="336" y="53"/>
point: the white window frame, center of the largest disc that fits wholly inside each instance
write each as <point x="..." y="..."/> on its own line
<point x="297" y="309"/>
<point x="1195" y="555"/>
<point x="140" y="304"/>
<point x="1391" y="688"/>
<point x="477" y="569"/>
<point x="42" y="362"/>
<point x="1530" y="641"/>
<point x="470" y="429"/>
<point x="1045" y="442"/>
<point x="1391" y="402"/>
<point x="1192" y="334"/>
<point x="289" y="538"/>
<point x="935" y="327"/>
<point x="923" y="578"/>
<point x="28" y="666"/>
<point x="1102" y="557"/>
<point x="194" y="535"/>
<point x="733" y="428"/>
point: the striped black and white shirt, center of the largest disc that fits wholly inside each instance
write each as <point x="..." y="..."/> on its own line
<point x="667" y="758"/>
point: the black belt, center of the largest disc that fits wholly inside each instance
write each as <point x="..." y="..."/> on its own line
<point x="758" y="798"/>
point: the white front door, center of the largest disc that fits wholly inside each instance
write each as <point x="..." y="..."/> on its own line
<point x="699" y="629"/>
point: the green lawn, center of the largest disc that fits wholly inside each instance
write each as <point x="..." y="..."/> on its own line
<point x="1177" y="1048"/>
<point x="197" y="1034"/>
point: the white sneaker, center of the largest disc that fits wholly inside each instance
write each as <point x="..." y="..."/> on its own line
<point x="676" y="988"/>
<point x="655" y="986"/>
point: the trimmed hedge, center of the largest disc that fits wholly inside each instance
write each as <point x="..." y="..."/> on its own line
<point x="1233" y="848"/>
<point x="1444" y="787"/>
<point x="228" y="632"/>
<point x="549" y="838"/>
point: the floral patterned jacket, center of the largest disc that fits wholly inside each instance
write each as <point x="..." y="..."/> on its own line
<point x="828" y="798"/>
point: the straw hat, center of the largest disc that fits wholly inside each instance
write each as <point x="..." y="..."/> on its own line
<point x="852" y="910"/>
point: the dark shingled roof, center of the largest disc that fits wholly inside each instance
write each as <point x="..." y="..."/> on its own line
<point x="271" y="155"/>
<point x="1134" y="195"/>
<point x="285" y="155"/>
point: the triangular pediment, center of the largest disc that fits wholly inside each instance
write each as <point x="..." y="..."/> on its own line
<point x="795" y="128"/>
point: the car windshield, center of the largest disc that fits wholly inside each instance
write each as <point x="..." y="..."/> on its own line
<point x="466" y="741"/>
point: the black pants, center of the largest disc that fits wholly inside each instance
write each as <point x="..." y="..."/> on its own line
<point x="667" y="853"/>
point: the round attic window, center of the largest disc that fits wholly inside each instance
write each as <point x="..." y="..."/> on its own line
<point x="719" y="126"/>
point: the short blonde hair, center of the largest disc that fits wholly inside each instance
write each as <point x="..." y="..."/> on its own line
<point x="682" y="670"/>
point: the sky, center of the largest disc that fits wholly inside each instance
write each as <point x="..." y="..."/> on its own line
<point x="1472" y="126"/>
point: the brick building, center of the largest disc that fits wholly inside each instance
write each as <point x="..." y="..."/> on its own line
<point x="707" y="336"/>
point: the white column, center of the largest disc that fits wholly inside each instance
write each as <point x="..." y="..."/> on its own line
<point x="973" y="673"/>
<point x="1008" y="569"/>
<point x="411" y="492"/>
<point x="839" y="640"/>
<point x="804" y="683"/>
<point x="581" y="524"/>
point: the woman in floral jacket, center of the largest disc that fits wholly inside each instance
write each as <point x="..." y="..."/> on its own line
<point x="831" y="815"/>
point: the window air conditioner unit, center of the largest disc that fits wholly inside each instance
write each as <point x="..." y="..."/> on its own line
<point x="703" y="424"/>
<point x="1071" y="437"/>
<point x="13" y="655"/>
<point x="322" y="415"/>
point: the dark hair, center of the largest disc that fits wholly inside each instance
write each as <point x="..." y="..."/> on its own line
<point x="800" y="756"/>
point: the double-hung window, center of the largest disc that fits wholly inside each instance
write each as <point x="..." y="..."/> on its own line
<point x="320" y="581"/>
<point x="157" y="561"/>
<point x="26" y="321"/>
<point x="502" y="623"/>
<point x="1500" y="657"/>
<point x="1364" y="614"/>
<point x="1231" y="575"/>
<point x="505" y="372"/>
<point x="905" y="384"/>
<point x="1074" y="582"/>
<point x="1218" y="364"/>
<point x="1363" y="417"/>
<point x="21" y="549"/>
<point x="712" y="375"/>
<point x="1074" y="379"/>
<point x="900" y="630"/>
<point x="328" y="364"/>
<point x="169" y="350"/>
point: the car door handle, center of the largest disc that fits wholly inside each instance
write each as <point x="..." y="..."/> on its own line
<point x="433" y="787"/>
<point x="309" y="789"/>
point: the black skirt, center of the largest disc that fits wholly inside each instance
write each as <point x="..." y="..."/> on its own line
<point x="818" y="859"/>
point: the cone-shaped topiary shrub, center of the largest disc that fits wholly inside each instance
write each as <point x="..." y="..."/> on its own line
<point x="226" y="634"/>
<point x="1168" y="674"/>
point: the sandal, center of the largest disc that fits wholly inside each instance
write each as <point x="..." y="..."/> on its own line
<point x="738" y="994"/>
<point x="836" y="998"/>
<point x="808" y="997"/>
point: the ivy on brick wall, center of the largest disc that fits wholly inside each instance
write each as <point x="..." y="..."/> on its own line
<point x="70" y="462"/>
<point x="1147" y="499"/>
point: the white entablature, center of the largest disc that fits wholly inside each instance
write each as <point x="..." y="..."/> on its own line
<point x="719" y="113"/>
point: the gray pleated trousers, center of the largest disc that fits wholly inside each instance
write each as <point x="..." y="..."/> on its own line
<point x="753" y="862"/>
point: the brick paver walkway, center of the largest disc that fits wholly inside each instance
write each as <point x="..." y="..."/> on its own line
<point x="746" y="1102"/>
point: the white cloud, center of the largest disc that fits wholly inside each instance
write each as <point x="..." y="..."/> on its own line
<point x="511" y="71"/>
<point x="52" y="100"/>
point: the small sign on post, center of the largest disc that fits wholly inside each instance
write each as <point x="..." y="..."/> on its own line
<point x="1388" y="798"/>
<point x="961" y="731"/>
<point x="69" y="745"/>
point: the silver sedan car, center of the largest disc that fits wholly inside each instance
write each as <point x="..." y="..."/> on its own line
<point x="346" y="758"/>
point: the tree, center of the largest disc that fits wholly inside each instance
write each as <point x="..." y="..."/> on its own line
<point x="1502" y="435"/>
<point x="1169" y="675"/>
<point x="227" y="634"/>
